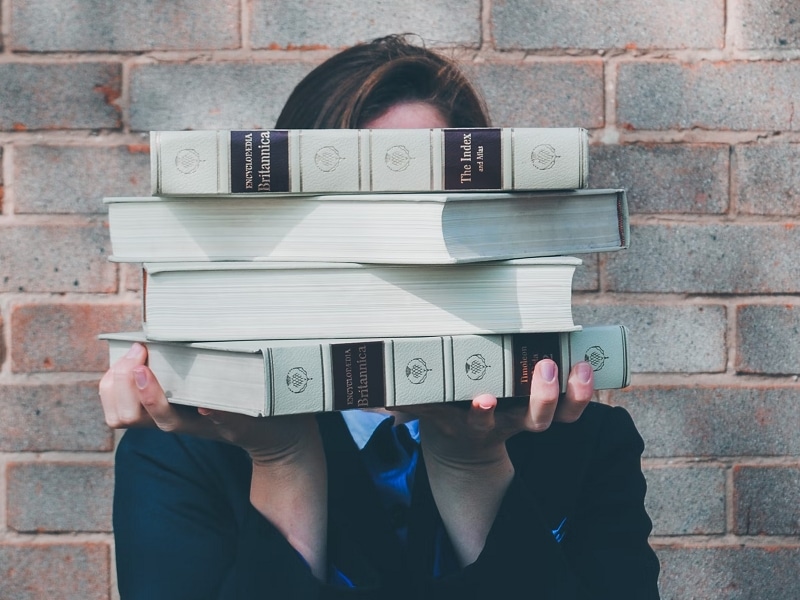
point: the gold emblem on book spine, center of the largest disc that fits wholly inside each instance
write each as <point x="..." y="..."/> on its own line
<point x="398" y="158"/>
<point x="596" y="357"/>
<point x="297" y="380"/>
<point x="187" y="161"/>
<point x="327" y="159"/>
<point x="544" y="157"/>
<point x="417" y="371"/>
<point x="476" y="367"/>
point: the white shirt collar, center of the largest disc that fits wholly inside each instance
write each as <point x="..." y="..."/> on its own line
<point x="362" y="424"/>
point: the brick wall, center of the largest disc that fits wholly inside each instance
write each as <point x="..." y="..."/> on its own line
<point x="691" y="105"/>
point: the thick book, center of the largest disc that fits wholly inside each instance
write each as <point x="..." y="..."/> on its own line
<point x="269" y="378"/>
<point x="372" y="228"/>
<point x="325" y="161"/>
<point x="213" y="301"/>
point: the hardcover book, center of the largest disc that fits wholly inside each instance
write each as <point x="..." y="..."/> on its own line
<point x="269" y="378"/>
<point x="370" y="228"/>
<point x="367" y="160"/>
<point x="212" y="301"/>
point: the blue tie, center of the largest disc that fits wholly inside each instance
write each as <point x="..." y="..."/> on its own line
<point x="391" y="459"/>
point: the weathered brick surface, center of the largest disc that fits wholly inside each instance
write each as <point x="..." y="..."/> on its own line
<point x="686" y="500"/>
<point x="664" y="178"/>
<point x="766" y="180"/>
<point x="766" y="500"/>
<point x="757" y="95"/>
<point x="63" y="337"/>
<point x="312" y="24"/>
<point x="729" y="573"/>
<point x="767" y="24"/>
<point x="2" y="343"/>
<point x="543" y="94"/>
<point x="75" y="179"/>
<point x="723" y="258"/>
<point x="59" y="497"/>
<point x="38" y="417"/>
<point x="666" y="339"/>
<point x="767" y="339"/>
<point x="211" y="96"/>
<point x="586" y="276"/>
<point x="45" y="572"/>
<point x="574" y="24"/>
<point x="703" y="420"/>
<point x="133" y="25"/>
<point x="59" y="96"/>
<point x="56" y="258"/>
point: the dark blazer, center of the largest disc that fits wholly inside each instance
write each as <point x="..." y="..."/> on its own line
<point x="184" y="526"/>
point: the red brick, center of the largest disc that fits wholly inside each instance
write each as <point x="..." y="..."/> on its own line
<point x="50" y="571"/>
<point x="63" y="337"/>
<point x="767" y="500"/>
<point x="49" y="417"/>
<point x="55" y="257"/>
<point x="37" y="493"/>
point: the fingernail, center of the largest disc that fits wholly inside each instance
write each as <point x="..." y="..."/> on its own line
<point x="140" y="378"/>
<point x="548" y="371"/>
<point x="485" y="403"/>
<point x="584" y="371"/>
<point x="135" y="351"/>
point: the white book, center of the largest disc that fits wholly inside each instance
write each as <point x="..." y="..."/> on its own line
<point x="212" y="301"/>
<point x="269" y="378"/>
<point x="367" y="160"/>
<point x="444" y="227"/>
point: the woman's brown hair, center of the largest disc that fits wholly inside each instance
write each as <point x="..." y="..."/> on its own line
<point x="363" y="81"/>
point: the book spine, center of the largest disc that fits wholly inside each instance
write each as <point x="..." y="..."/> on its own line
<point x="413" y="371"/>
<point x="347" y="160"/>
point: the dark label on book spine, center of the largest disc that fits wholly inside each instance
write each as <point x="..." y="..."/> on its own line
<point x="472" y="159"/>
<point x="358" y="377"/>
<point x="529" y="349"/>
<point x="259" y="161"/>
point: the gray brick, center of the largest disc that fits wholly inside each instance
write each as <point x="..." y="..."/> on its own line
<point x="75" y="179"/>
<point x="741" y="96"/>
<point x="63" y="337"/>
<point x="729" y="573"/>
<point x="133" y="25"/>
<point x="586" y="275"/>
<point x="765" y="24"/>
<point x="44" y="417"/>
<point x="211" y="96"/>
<point x="614" y="24"/>
<point x="714" y="420"/>
<point x="59" y="96"/>
<point x="766" y="500"/>
<point x="313" y="23"/>
<point x="37" y="494"/>
<point x="665" y="339"/>
<point x="767" y="339"/>
<point x="56" y="258"/>
<point x="687" y="500"/>
<point x="64" y="571"/>
<point x="565" y="94"/>
<point x="664" y="178"/>
<point x="766" y="180"/>
<point x="724" y="258"/>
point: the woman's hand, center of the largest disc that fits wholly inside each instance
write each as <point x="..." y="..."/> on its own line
<point x="132" y="397"/>
<point x="289" y="482"/>
<point x="465" y="453"/>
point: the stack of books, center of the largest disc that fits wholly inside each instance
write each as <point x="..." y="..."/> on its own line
<point x="302" y="271"/>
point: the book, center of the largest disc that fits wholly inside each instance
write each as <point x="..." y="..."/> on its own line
<point x="367" y="160"/>
<point x="373" y="228"/>
<point x="269" y="378"/>
<point x="213" y="301"/>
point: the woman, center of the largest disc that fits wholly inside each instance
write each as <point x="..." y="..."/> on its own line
<point x="543" y="500"/>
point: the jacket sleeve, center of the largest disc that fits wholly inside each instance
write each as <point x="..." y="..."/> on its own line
<point x="185" y="529"/>
<point x="581" y="484"/>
